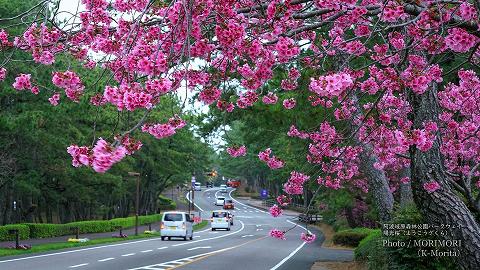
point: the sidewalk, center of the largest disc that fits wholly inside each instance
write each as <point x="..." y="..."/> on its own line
<point x="91" y="236"/>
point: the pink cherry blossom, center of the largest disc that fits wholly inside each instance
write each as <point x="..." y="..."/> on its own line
<point x="22" y="82"/>
<point x="284" y="200"/>
<point x="54" y="99"/>
<point x="308" y="237"/>
<point x="277" y="234"/>
<point x="3" y="74"/>
<point x="270" y="98"/>
<point x="431" y="186"/>
<point x="237" y="151"/>
<point x="289" y="103"/>
<point x="275" y="211"/>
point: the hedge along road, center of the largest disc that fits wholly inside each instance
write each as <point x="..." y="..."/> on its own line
<point x="245" y="247"/>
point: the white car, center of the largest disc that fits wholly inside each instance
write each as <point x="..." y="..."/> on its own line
<point x="176" y="224"/>
<point x="221" y="220"/>
<point x="219" y="201"/>
<point x="198" y="186"/>
<point x="223" y="188"/>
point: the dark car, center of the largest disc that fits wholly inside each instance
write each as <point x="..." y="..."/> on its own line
<point x="209" y="185"/>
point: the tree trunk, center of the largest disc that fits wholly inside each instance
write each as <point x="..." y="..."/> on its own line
<point x="406" y="196"/>
<point x="441" y="207"/>
<point x="377" y="180"/>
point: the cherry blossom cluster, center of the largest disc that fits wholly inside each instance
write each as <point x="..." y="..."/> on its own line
<point x="275" y="211"/>
<point x="284" y="200"/>
<point x="209" y="95"/>
<point x="277" y="234"/>
<point x="308" y="237"/>
<point x="330" y="86"/>
<point x="69" y="81"/>
<point x="237" y="151"/>
<point x="272" y="161"/>
<point x="294" y="185"/>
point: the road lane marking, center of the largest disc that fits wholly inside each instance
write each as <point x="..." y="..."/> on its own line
<point x="259" y="230"/>
<point x="198" y="236"/>
<point x="213" y="232"/>
<point x="192" y="259"/>
<point x="148" y="250"/>
<point x="107" y="259"/>
<point x="230" y="194"/>
<point x="247" y="235"/>
<point x="196" y="205"/>
<point x="79" y="250"/>
<point x="162" y="247"/>
<point x="293" y="252"/>
<point x="211" y="238"/>
<point x="78" y="265"/>
<point x="198" y="248"/>
<point x="129" y="254"/>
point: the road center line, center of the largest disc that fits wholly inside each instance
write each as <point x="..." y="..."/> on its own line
<point x="129" y="254"/>
<point x="78" y="265"/>
<point x="293" y="252"/>
<point x="148" y="250"/>
<point x="162" y="247"/>
<point x="211" y="238"/>
<point x="198" y="248"/>
<point x="107" y="259"/>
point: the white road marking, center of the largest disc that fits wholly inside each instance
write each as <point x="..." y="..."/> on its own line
<point x="199" y="248"/>
<point x="78" y="265"/>
<point x="107" y="259"/>
<point x="293" y="252"/>
<point x="213" y="232"/>
<point x="211" y="238"/>
<point x="162" y="247"/>
<point x="183" y="260"/>
<point x="188" y="198"/>
<point x="148" y="250"/>
<point x="230" y="194"/>
<point x="259" y="230"/>
<point x="198" y="236"/>
<point x="129" y="254"/>
<point x="247" y="235"/>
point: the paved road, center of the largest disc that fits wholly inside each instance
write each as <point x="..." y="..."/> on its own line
<point x="246" y="246"/>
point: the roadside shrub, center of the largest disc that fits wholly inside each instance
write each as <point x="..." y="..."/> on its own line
<point x="42" y="230"/>
<point x="351" y="237"/>
<point x="39" y="230"/>
<point x="164" y="203"/>
<point x="370" y="249"/>
<point x="23" y="232"/>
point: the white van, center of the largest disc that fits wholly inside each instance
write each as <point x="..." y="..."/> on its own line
<point x="198" y="186"/>
<point x="221" y="220"/>
<point x="176" y="224"/>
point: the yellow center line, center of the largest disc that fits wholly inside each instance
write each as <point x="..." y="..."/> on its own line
<point x="218" y="252"/>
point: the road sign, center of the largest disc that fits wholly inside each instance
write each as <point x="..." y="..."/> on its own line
<point x="264" y="193"/>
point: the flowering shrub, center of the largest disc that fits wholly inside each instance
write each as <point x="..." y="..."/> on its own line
<point x="237" y="151"/>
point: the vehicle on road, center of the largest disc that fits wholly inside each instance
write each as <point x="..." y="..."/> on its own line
<point x="219" y="201"/>
<point x="198" y="186"/>
<point x="209" y="185"/>
<point x="233" y="183"/>
<point x="223" y="188"/>
<point x="176" y="224"/>
<point x="228" y="204"/>
<point x="221" y="220"/>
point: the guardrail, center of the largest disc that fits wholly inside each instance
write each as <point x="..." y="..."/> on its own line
<point x="310" y="218"/>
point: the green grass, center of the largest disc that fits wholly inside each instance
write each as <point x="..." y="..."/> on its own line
<point x="57" y="246"/>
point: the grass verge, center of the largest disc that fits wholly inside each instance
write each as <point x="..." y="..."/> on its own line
<point x="64" y="245"/>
